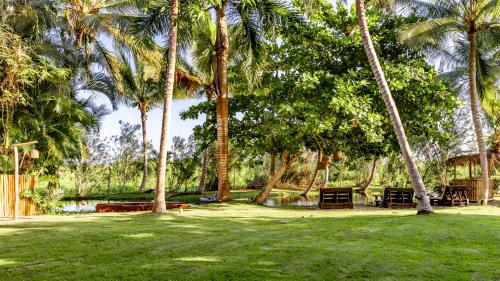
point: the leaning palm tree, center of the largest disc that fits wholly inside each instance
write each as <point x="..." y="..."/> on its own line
<point x="140" y="89"/>
<point x="424" y="206"/>
<point x="447" y="21"/>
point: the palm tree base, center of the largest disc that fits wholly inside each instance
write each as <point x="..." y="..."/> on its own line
<point x="425" y="212"/>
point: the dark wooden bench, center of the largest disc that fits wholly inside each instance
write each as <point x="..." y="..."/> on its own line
<point x="398" y="198"/>
<point x="335" y="198"/>
<point x="452" y="196"/>
<point x="254" y="184"/>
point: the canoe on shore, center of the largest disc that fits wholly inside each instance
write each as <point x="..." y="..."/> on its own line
<point x="135" y="206"/>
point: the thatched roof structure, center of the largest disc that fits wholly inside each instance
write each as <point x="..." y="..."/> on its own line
<point x="462" y="160"/>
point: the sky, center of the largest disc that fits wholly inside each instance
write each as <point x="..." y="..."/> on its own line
<point x="178" y="127"/>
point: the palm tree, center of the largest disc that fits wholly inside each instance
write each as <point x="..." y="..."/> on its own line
<point x="447" y="20"/>
<point x="141" y="89"/>
<point x="250" y="23"/>
<point x="424" y="206"/>
<point x="203" y="68"/>
<point x="454" y="63"/>
<point x="159" y="202"/>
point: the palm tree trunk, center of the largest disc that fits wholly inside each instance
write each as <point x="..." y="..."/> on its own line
<point x="315" y="175"/>
<point x="284" y="165"/>
<point x="222" y="47"/>
<point x="144" y="150"/>
<point x="159" y="202"/>
<point x="424" y="206"/>
<point x="476" y="118"/>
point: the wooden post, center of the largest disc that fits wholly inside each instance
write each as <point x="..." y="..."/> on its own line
<point x="16" y="182"/>
<point x="470" y="169"/>
<point x="445" y="174"/>
<point x="16" y="175"/>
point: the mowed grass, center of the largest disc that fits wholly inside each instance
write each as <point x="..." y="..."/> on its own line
<point x="247" y="242"/>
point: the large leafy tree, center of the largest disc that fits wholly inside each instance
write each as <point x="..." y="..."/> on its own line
<point x="471" y="19"/>
<point x="16" y="74"/>
<point x="47" y="107"/>
<point x="303" y="100"/>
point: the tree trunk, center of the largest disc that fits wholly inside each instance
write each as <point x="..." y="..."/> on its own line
<point x="222" y="47"/>
<point x="124" y="178"/>
<point x="424" y="206"/>
<point x="144" y="150"/>
<point x="363" y="186"/>
<point x="327" y="176"/>
<point x="109" y="180"/>
<point x="204" y="170"/>
<point x="476" y="118"/>
<point x="272" y="164"/>
<point x="206" y="155"/>
<point x="159" y="202"/>
<point x="315" y="175"/>
<point x="284" y="165"/>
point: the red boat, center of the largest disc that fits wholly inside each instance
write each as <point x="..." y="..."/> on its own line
<point x="135" y="206"/>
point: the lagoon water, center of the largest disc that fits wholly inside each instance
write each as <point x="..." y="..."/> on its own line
<point x="277" y="201"/>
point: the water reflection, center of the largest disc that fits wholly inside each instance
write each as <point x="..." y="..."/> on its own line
<point x="311" y="200"/>
<point x="84" y="205"/>
<point x="81" y="206"/>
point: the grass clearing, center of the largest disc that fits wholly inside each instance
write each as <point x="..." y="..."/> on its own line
<point x="248" y="242"/>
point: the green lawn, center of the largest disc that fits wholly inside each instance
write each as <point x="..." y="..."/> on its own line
<point x="247" y="242"/>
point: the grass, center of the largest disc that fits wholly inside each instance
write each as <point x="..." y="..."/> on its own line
<point x="248" y="242"/>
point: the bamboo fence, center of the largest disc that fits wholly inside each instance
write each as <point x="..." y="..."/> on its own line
<point x="476" y="186"/>
<point x="7" y="195"/>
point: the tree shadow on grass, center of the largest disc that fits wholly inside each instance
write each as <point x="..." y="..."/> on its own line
<point x="239" y="246"/>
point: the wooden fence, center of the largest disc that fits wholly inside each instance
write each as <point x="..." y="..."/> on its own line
<point x="476" y="186"/>
<point x="7" y="195"/>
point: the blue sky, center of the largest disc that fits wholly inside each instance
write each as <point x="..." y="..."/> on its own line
<point x="178" y="127"/>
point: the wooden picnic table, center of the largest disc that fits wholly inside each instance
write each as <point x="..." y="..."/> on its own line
<point x="452" y="195"/>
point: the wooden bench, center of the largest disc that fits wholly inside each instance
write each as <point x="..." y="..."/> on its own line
<point x="254" y="184"/>
<point x="398" y="198"/>
<point x="335" y="198"/>
<point x="454" y="195"/>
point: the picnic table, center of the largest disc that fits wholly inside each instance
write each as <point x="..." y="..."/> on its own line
<point x="452" y="195"/>
<point x="398" y="198"/>
<point x="335" y="198"/>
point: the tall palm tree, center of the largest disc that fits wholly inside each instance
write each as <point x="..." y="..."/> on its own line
<point x="448" y="20"/>
<point x="203" y="70"/>
<point x="222" y="105"/>
<point x="251" y="21"/>
<point x="141" y="89"/>
<point x="159" y="202"/>
<point x="424" y="206"/>
<point x="454" y="63"/>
